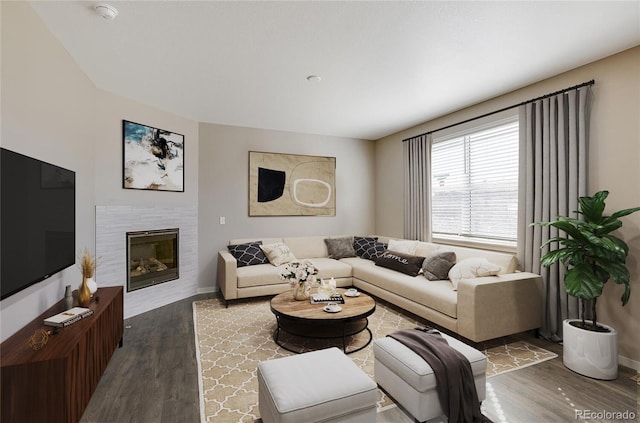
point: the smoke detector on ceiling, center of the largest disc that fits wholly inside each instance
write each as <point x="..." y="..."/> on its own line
<point x="106" y="11"/>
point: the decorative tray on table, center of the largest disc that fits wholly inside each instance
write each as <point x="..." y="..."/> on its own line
<point x="324" y="298"/>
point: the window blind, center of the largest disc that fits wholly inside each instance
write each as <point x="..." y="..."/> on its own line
<point x="475" y="183"/>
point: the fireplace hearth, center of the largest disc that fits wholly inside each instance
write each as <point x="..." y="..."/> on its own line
<point x="152" y="258"/>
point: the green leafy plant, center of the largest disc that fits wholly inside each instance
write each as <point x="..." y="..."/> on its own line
<point x="591" y="254"/>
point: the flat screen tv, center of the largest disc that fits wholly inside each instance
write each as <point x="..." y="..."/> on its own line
<point x="38" y="221"/>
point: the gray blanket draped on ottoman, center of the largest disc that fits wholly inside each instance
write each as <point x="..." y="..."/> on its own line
<point x="454" y="379"/>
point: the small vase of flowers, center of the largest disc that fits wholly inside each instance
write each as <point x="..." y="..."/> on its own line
<point x="300" y="275"/>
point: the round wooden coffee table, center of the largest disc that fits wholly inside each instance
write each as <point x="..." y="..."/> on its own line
<point x="304" y="319"/>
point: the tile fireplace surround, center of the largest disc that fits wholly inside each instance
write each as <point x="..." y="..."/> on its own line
<point x="112" y="225"/>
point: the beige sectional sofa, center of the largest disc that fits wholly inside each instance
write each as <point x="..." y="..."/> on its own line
<point x="481" y="308"/>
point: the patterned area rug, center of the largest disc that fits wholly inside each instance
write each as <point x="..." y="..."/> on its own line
<point x="230" y="342"/>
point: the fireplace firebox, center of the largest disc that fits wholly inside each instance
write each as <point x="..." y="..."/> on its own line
<point x="152" y="258"/>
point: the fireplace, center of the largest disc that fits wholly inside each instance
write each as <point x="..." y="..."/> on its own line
<point x="152" y="258"/>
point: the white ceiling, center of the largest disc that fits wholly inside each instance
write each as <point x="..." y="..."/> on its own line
<point x="385" y="66"/>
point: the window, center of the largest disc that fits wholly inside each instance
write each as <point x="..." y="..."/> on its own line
<point x="474" y="185"/>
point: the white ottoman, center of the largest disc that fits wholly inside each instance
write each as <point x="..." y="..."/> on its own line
<point x="405" y="375"/>
<point x="322" y="385"/>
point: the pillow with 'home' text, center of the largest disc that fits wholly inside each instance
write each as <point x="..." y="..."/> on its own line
<point x="405" y="263"/>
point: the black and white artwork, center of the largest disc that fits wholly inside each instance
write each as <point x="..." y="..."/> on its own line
<point x="291" y="185"/>
<point x="153" y="158"/>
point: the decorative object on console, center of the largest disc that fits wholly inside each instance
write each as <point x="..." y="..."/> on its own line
<point x="88" y="268"/>
<point x="153" y="158"/>
<point x="84" y="295"/>
<point x="39" y="339"/>
<point x="592" y="256"/>
<point x="291" y="185"/>
<point x="68" y="317"/>
<point x="68" y="297"/>
<point x="300" y="275"/>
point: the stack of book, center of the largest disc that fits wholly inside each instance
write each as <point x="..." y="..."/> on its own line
<point x="324" y="298"/>
<point x="68" y="317"/>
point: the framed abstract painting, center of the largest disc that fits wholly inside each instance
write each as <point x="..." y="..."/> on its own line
<point x="291" y="185"/>
<point x="153" y="158"/>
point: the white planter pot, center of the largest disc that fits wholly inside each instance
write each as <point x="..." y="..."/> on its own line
<point x="593" y="354"/>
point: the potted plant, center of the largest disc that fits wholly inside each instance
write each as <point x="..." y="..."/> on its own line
<point x="592" y="256"/>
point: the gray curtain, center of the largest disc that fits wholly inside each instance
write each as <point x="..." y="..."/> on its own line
<point x="554" y="136"/>
<point x="417" y="181"/>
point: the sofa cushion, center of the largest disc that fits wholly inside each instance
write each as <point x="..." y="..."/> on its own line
<point x="307" y="247"/>
<point x="278" y="253"/>
<point x="437" y="295"/>
<point x="259" y="275"/>
<point x="436" y="267"/>
<point x="340" y="247"/>
<point x="248" y="254"/>
<point x="472" y="268"/>
<point x="405" y="263"/>
<point x="403" y="246"/>
<point x="330" y="268"/>
<point x="425" y="249"/>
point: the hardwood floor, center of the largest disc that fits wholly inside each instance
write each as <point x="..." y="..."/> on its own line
<point x="153" y="379"/>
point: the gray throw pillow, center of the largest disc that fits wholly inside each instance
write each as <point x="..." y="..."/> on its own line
<point x="340" y="247"/>
<point x="436" y="267"/>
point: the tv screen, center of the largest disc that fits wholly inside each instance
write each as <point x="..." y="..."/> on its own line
<point x="38" y="220"/>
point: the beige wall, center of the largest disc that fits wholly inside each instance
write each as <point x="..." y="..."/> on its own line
<point x="223" y="181"/>
<point x="614" y="164"/>
<point x="47" y="113"/>
<point x="53" y="112"/>
<point x="111" y="110"/>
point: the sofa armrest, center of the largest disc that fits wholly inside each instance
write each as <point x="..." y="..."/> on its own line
<point x="227" y="275"/>
<point x="496" y="306"/>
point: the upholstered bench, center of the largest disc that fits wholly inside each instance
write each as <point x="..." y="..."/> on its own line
<point x="407" y="377"/>
<point x="322" y="385"/>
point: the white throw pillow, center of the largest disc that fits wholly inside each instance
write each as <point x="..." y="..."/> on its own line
<point x="403" y="246"/>
<point x="472" y="268"/>
<point x="278" y="253"/>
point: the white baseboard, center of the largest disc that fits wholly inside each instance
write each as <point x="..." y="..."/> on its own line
<point x="627" y="362"/>
<point x="208" y="290"/>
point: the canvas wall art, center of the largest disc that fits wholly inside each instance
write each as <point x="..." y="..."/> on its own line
<point x="291" y="185"/>
<point x="153" y="158"/>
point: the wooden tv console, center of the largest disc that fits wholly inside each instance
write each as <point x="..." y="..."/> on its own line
<point x="55" y="383"/>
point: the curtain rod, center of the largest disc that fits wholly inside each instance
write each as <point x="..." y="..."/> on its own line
<point x="584" y="84"/>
